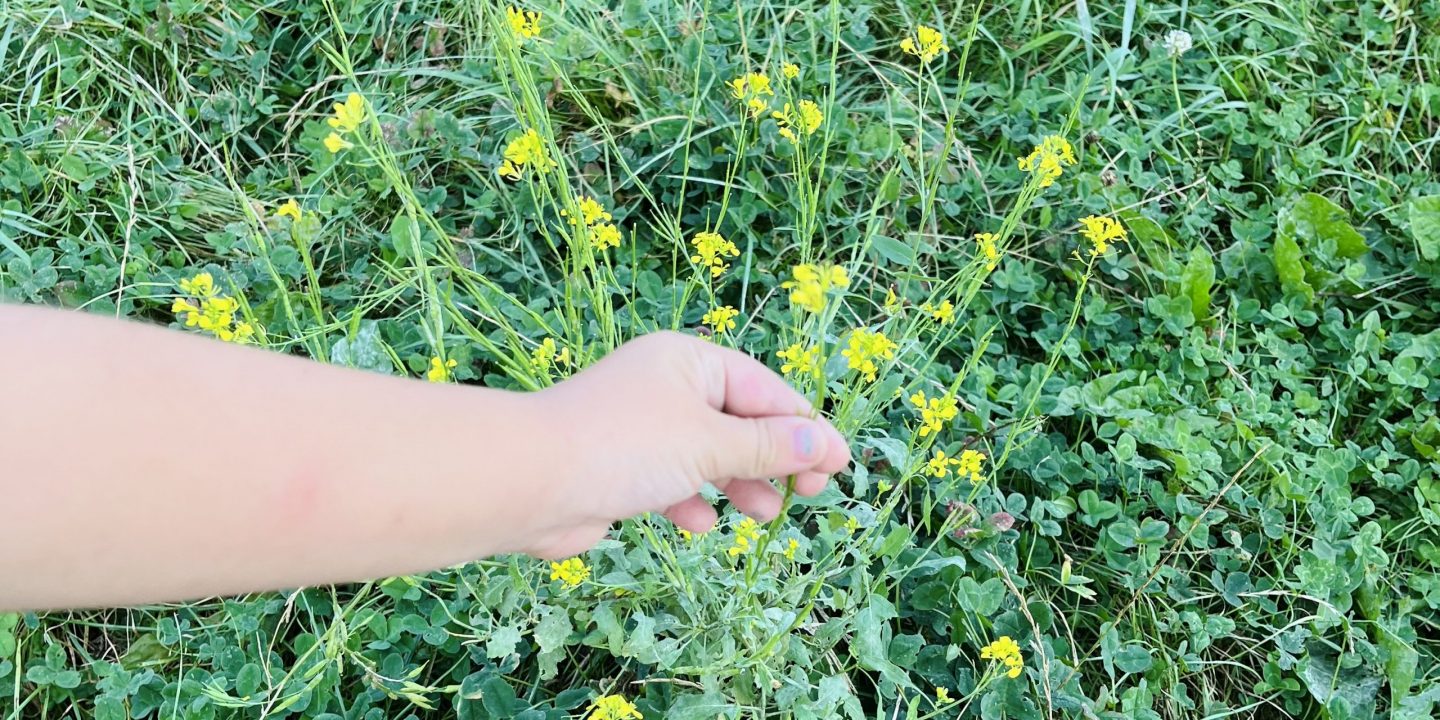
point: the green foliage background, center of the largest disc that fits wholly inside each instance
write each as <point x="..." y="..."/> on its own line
<point x="1231" y="507"/>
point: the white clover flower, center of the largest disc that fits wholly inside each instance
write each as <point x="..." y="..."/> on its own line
<point x="1177" y="43"/>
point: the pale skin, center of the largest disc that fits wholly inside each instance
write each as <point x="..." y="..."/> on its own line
<point x="140" y="464"/>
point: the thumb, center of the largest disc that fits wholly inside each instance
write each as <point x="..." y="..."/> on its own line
<point x="766" y="447"/>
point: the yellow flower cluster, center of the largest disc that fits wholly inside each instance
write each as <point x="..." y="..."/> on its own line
<point x="440" y="370"/>
<point x="545" y="356"/>
<point x="934" y="412"/>
<point x="1005" y="650"/>
<point x="210" y="311"/>
<point x="721" y="318"/>
<point x="597" y="222"/>
<point x="799" y="360"/>
<point x="528" y="149"/>
<point x="347" y="118"/>
<point x="614" y="707"/>
<point x="790" y="71"/>
<point x="942" y="696"/>
<point x="926" y="43"/>
<point x="812" y="282"/>
<point x="939" y="466"/>
<point x="944" y="312"/>
<point x="790" y="548"/>
<point x="807" y="118"/>
<point x="989" y="249"/>
<point x="1101" y="231"/>
<point x="570" y="572"/>
<point x="525" y="24"/>
<point x="864" y="347"/>
<point x="711" y="251"/>
<point x="752" y="89"/>
<point x="969" y="465"/>
<point x="290" y="209"/>
<point x="1048" y="159"/>
<point x="747" y="536"/>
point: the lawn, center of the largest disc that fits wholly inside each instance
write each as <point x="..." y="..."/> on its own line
<point x="1131" y="312"/>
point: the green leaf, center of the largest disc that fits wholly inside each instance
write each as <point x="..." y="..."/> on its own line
<point x="1133" y="658"/>
<point x="894" y="250"/>
<point x="1197" y="280"/>
<point x="1323" y="227"/>
<point x="870" y="636"/>
<point x="8" y="622"/>
<point x="1425" y="225"/>
<point x="1290" y="266"/>
<point x="502" y="642"/>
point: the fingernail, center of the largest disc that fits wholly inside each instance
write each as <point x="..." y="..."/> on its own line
<point x="805" y="442"/>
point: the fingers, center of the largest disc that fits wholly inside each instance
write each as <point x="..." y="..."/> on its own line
<point x="756" y="498"/>
<point x="773" y="447"/>
<point x="746" y="388"/>
<point x="694" y="514"/>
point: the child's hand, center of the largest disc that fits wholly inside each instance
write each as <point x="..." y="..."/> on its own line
<point x="647" y="426"/>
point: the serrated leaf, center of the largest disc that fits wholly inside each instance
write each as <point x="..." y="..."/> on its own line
<point x="1425" y="225"/>
<point x="1198" y="279"/>
<point x="1290" y="266"/>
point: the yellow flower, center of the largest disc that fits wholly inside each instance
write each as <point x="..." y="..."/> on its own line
<point x="942" y="696"/>
<point x="934" y="412"/>
<point x="989" y="249"/>
<point x="926" y="43"/>
<point x="892" y="302"/>
<point x="945" y="313"/>
<point x="614" y="707"/>
<point x="721" y="318"/>
<point x="209" y="310"/>
<point x="546" y="355"/>
<point x="939" y="466"/>
<point x="799" y="360"/>
<point x="686" y="535"/>
<point x="851" y="525"/>
<point x="710" y="251"/>
<point x="807" y="118"/>
<point x="751" y="89"/>
<point x="1006" y="651"/>
<point x="811" y="283"/>
<point x="1101" y="231"/>
<point x="334" y="143"/>
<point x="591" y="211"/>
<point x="527" y="149"/>
<point x="864" y="347"/>
<point x="747" y="533"/>
<point x="790" y="548"/>
<point x="349" y="114"/>
<point x="525" y="24"/>
<point x="969" y="465"/>
<point x="439" y="371"/>
<point x="1048" y="159"/>
<point x="571" y="572"/>
<point x="605" y="235"/>
<point x="290" y="209"/>
<point x="790" y="70"/>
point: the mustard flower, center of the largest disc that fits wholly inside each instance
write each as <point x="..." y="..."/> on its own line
<point x="989" y="249"/>
<point x="790" y="548"/>
<point x="614" y="707"/>
<point x="591" y="211"/>
<point x="526" y="150"/>
<point x="939" y="465"/>
<point x="605" y="235"/>
<point x="747" y="535"/>
<point x="807" y="118"/>
<point x="570" y="572"/>
<point x="1006" y="651"/>
<point x="811" y="283"/>
<point x="926" y="43"/>
<point x="209" y="310"/>
<point x="790" y="71"/>
<point x="1048" y="159"/>
<point x="942" y="696"/>
<point x="1101" y="231"/>
<point x="969" y="465"/>
<point x="851" y="525"/>
<point x="290" y="209"/>
<point x="892" y="302"/>
<point x="334" y="143"/>
<point x="864" y="347"/>
<point x="524" y="24"/>
<point x="349" y="114"/>
<point x="944" y="312"/>
<point x="934" y="412"/>
<point x="721" y="318"/>
<point x="440" y="370"/>
<point x="752" y="89"/>
<point x="546" y="355"/>
<point x="711" y="251"/>
<point x="799" y="360"/>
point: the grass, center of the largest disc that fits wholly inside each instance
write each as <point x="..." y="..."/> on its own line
<point x="1210" y="479"/>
